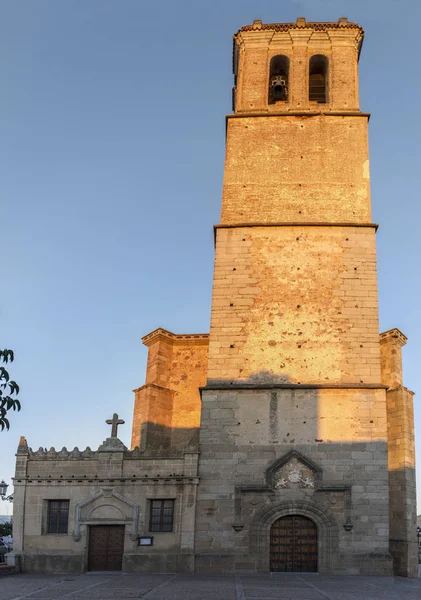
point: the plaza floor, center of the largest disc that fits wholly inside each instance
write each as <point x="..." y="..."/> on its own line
<point x="207" y="587"/>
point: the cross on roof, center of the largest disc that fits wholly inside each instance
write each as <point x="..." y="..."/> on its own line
<point x="114" y="422"/>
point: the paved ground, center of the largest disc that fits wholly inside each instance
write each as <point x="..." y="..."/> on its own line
<point x="207" y="587"/>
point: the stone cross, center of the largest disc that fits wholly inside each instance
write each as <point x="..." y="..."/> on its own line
<point x="114" y="422"/>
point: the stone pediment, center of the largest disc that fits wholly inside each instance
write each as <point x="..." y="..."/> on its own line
<point x="293" y="471"/>
<point x="107" y="506"/>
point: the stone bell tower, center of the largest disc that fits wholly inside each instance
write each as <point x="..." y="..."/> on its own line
<point x="295" y="416"/>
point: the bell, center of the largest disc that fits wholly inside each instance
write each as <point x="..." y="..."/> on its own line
<point x="279" y="88"/>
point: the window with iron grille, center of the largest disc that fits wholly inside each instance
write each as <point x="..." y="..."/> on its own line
<point x="162" y="515"/>
<point x="57" y="516"/>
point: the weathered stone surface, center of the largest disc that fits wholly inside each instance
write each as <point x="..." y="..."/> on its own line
<point x="300" y="404"/>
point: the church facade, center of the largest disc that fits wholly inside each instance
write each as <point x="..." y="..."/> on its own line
<point x="283" y="440"/>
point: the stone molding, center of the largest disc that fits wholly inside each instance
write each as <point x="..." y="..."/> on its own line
<point x="236" y="385"/>
<point x="238" y="522"/>
<point x="339" y="33"/>
<point x="245" y="114"/>
<point x="271" y="488"/>
<point x="107" y="493"/>
<point x="283" y="460"/>
<point x="395" y="335"/>
<point x="172" y="479"/>
<point x="327" y="529"/>
<point x="301" y="23"/>
<point x="195" y="338"/>
<point x="296" y="224"/>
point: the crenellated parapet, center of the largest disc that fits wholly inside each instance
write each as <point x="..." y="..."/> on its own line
<point x="111" y="463"/>
<point x="63" y="454"/>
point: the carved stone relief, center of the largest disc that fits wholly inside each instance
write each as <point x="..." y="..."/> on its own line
<point x="294" y="474"/>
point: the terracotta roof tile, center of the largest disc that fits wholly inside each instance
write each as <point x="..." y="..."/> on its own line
<point x="300" y="25"/>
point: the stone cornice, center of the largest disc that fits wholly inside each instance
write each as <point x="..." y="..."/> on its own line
<point x="295" y="113"/>
<point x="153" y="385"/>
<point x="295" y="224"/>
<point x="236" y="385"/>
<point x="301" y="23"/>
<point x="174" y="338"/>
<point x="340" y="32"/>
<point x="291" y="224"/>
<point x="176" y="479"/>
<point x="401" y="387"/>
<point x="395" y="335"/>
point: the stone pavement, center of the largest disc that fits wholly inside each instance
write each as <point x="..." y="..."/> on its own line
<point x="208" y="587"/>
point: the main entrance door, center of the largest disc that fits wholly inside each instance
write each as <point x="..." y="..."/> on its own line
<point x="106" y="546"/>
<point x="293" y="544"/>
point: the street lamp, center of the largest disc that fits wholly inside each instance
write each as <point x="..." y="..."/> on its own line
<point x="3" y="491"/>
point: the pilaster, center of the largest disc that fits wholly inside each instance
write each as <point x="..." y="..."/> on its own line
<point x="391" y="343"/>
<point x="19" y="493"/>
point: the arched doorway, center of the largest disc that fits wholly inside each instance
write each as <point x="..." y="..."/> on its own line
<point x="293" y="545"/>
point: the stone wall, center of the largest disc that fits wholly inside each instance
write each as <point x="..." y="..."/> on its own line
<point x="106" y="486"/>
<point x="296" y="169"/>
<point x="401" y="453"/>
<point x="295" y="304"/>
<point x="342" y="432"/>
<point x="167" y="408"/>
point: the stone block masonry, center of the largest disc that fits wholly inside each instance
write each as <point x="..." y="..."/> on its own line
<point x="167" y="408"/>
<point x="295" y="304"/>
<point x="105" y="486"/>
<point x="305" y="460"/>
<point x="342" y="431"/>
<point x="297" y="169"/>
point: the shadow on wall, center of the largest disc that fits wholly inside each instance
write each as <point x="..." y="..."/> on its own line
<point x="248" y="426"/>
<point x="155" y="437"/>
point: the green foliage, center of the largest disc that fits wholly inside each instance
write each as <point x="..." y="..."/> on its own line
<point x="8" y="390"/>
<point x="6" y="529"/>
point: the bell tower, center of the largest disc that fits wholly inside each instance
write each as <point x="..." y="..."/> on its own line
<point x="301" y="58"/>
<point x="295" y="291"/>
<point x="298" y="401"/>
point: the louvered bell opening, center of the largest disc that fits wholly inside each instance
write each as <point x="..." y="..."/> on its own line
<point x="318" y="78"/>
<point x="317" y="89"/>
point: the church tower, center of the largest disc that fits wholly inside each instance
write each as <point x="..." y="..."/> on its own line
<point x="303" y="431"/>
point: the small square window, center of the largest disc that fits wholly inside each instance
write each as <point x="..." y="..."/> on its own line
<point x="162" y="515"/>
<point x="57" y="516"/>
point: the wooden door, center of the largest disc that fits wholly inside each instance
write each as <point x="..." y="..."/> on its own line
<point x="293" y="545"/>
<point x="106" y="546"/>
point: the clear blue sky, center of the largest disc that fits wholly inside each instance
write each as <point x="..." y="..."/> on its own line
<point x="112" y="149"/>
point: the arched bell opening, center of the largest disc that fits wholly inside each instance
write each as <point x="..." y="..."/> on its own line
<point x="293" y="545"/>
<point x="318" y="78"/>
<point x="278" y="79"/>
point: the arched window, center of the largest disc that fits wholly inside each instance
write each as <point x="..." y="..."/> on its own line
<point x="317" y="83"/>
<point x="278" y="79"/>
